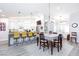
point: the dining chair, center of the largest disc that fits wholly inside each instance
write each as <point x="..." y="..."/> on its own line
<point x="58" y="42"/>
<point x="43" y="42"/>
<point x="73" y="36"/>
<point x="16" y="37"/>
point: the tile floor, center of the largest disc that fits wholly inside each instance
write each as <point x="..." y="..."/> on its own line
<point x="69" y="49"/>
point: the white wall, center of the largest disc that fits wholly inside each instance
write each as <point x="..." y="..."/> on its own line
<point x="16" y="22"/>
<point x="50" y="26"/>
<point x="74" y="18"/>
<point x="4" y="34"/>
<point x="28" y="22"/>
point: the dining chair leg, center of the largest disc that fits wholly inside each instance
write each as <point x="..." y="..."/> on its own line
<point x="9" y="40"/>
<point x="60" y="44"/>
<point x="54" y="45"/>
<point x="43" y="46"/>
<point x="48" y="47"/>
<point x="71" y="39"/>
<point x="48" y="44"/>
<point x="52" y="48"/>
<point x="37" y="41"/>
<point x="58" y="47"/>
<point x="40" y="46"/>
<point x="23" y="40"/>
<point x="75" y="40"/>
<point x="16" y="42"/>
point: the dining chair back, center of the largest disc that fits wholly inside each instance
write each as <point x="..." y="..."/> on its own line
<point x="58" y="42"/>
<point x="43" y="42"/>
<point x="54" y="32"/>
<point x="73" y="35"/>
<point x="42" y="36"/>
<point x="50" y="32"/>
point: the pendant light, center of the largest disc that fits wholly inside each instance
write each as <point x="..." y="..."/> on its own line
<point x="49" y="11"/>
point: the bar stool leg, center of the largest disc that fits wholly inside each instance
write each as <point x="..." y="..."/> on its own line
<point x="16" y="42"/>
<point x="23" y="41"/>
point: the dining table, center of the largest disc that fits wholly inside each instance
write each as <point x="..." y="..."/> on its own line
<point x="50" y="38"/>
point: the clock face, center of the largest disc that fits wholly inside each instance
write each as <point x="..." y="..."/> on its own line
<point x="74" y="25"/>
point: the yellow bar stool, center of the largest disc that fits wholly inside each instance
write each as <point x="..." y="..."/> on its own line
<point x="16" y="37"/>
<point x="24" y="35"/>
<point x="30" y="34"/>
<point x="35" y="33"/>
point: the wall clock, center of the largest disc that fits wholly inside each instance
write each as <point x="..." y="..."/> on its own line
<point x="74" y="25"/>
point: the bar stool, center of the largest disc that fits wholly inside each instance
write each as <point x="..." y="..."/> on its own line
<point x="16" y="37"/>
<point x="23" y="35"/>
<point x="30" y="34"/>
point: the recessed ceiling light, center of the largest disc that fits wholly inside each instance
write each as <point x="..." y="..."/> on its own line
<point x="0" y="10"/>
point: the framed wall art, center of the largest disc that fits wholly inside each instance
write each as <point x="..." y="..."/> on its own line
<point x="2" y="26"/>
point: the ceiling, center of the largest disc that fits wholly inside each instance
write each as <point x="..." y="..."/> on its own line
<point x="25" y="9"/>
<point x="64" y="8"/>
<point x="22" y="9"/>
